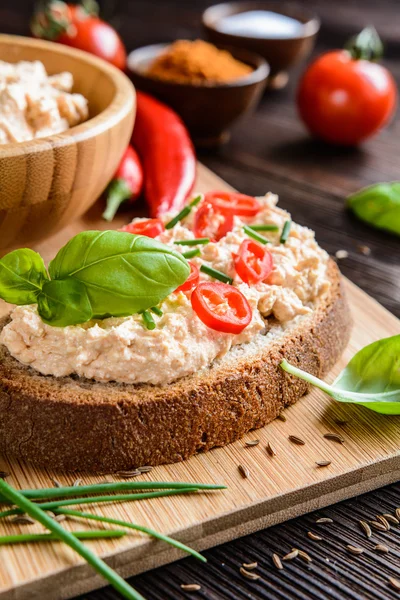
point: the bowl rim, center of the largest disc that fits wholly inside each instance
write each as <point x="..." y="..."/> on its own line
<point x="260" y="71"/>
<point x="122" y="103"/>
<point x="310" y="28"/>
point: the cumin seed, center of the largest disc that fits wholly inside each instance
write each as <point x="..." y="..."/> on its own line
<point x="128" y="474"/>
<point x="391" y="518"/>
<point x="384" y="521"/>
<point x="296" y="440"/>
<point x="397" y="511"/>
<point x="341" y="423"/>
<point x="281" y="417"/>
<point x="306" y="557"/>
<point x="291" y="555"/>
<point x="277" y="561"/>
<point x="60" y="518"/>
<point x="190" y="587"/>
<point x="249" y="574"/>
<point x="323" y="463"/>
<point x="270" y="450"/>
<point x="381" y="548"/>
<point x="77" y="483"/>
<point x="324" y="520"/>
<point x="354" y="549"/>
<point x="334" y="437"/>
<point x="395" y="583"/>
<point x="367" y="529"/>
<point x="23" y="520"/>
<point x="251" y="443"/>
<point x="145" y="469"/>
<point x="56" y="483"/>
<point x="314" y="536"/>
<point x="245" y="473"/>
<point x="250" y="566"/>
<point x="377" y="525"/>
<point x="366" y="250"/>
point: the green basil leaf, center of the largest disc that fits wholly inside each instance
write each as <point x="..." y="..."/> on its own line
<point x="22" y="274"/>
<point x="123" y="273"/>
<point x="64" y="302"/>
<point x="371" y="379"/>
<point x="378" y="205"/>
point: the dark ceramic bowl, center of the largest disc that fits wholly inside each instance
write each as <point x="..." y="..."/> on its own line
<point x="208" y="110"/>
<point x="281" y="53"/>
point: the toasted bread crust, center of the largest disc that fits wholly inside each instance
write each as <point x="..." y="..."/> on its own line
<point x="75" y="424"/>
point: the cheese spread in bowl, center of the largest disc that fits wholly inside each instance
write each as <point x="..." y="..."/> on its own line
<point x="124" y="350"/>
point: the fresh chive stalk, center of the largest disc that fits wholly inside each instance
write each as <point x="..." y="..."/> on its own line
<point x="191" y="253"/>
<point x="157" y="311"/>
<point x="151" y="532"/>
<point x="195" y="242"/>
<point x="50" y="537"/>
<point x="285" y="231"/>
<point x="216" y="274"/>
<point x="31" y="509"/>
<point x="256" y="236"/>
<point x="264" y="227"/>
<point x="99" y="499"/>
<point x="183" y="213"/>
<point x="148" y="320"/>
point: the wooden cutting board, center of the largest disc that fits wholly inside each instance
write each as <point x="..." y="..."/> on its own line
<point x="277" y="489"/>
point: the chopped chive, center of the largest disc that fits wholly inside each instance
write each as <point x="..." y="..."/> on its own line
<point x="155" y="534"/>
<point x="191" y="253"/>
<point x="256" y="236"/>
<point x="264" y="227"/>
<point x="216" y="274"/>
<point x="49" y="537"/>
<point x="157" y="311"/>
<point x="148" y="320"/>
<point x="183" y="213"/>
<point x="285" y="231"/>
<point x="194" y="242"/>
<point x="31" y="509"/>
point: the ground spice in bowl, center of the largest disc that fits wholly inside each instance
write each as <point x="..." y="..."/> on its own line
<point x="197" y="62"/>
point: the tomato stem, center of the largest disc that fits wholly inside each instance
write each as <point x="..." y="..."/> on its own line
<point x="366" y="45"/>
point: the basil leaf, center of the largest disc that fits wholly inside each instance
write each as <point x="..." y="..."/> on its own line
<point x="64" y="302"/>
<point x="371" y="379"/>
<point x="123" y="273"/>
<point x="22" y="274"/>
<point x="378" y="205"/>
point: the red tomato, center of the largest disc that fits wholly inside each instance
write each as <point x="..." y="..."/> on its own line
<point x="150" y="228"/>
<point x="191" y="281"/>
<point x="253" y="263"/>
<point x="233" y="203"/>
<point x="221" y="307"/>
<point x="345" y="100"/>
<point x="211" y="223"/>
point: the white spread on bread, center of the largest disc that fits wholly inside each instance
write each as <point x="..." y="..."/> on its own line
<point x="123" y="350"/>
<point x="34" y="104"/>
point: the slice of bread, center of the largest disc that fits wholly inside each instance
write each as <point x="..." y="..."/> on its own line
<point x="71" y="423"/>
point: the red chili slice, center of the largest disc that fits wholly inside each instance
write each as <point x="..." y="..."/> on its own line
<point x="253" y="263"/>
<point x="211" y="223"/>
<point x="233" y="203"/>
<point x="150" y="228"/>
<point x="191" y="281"/>
<point x="221" y="307"/>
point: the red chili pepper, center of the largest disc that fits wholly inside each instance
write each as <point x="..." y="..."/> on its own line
<point x="209" y="222"/>
<point x="221" y="307"/>
<point x="167" y="154"/>
<point x="150" y="228"/>
<point x="233" y="203"/>
<point x="191" y="281"/>
<point x="253" y="262"/>
<point x="126" y="184"/>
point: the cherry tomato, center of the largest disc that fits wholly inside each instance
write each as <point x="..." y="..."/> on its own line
<point x="211" y="223"/>
<point x="232" y="203"/>
<point x="221" y="307"/>
<point x="191" y="281"/>
<point x="253" y="262"/>
<point x="150" y="228"/>
<point x="344" y="100"/>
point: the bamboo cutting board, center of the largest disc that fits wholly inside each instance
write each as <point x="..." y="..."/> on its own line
<point x="278" y="488"/>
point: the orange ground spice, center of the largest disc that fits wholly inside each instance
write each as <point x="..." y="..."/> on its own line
<point x="197" y="62"/>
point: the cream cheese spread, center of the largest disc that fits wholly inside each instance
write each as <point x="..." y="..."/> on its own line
<point x="34" y="104"/>
<point x="124" y="350"/>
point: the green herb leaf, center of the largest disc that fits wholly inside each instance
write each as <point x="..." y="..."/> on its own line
<point x="378" y="205"/>
<point x="123" y="273"/>
<point x="22" y="274"/>
<point x="64" y="302"/>
<point x="371" y="379"/>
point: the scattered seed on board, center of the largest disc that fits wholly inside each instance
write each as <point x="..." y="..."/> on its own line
<point x="252" y="443"/>
<point x="249" y="574"/>
<point x="314" y="536"/>
<point x="306" y="557"/>
<point x="245" y="473"/>
<point x="4" y="474"/>
<point x="60" y="518"/>
<point x="324" y="520"/>
<point x="341" y="254"/>
<point x="281" y="417"/>
<point x="23" y="520"/>
<point x="395" y="583"/>
<point x="364" y="525"/>
<point x="190" y="587"/>
<point x="384" y="521"/>
<point x="145" y="469"/>
<point x="381" y="548"/>
<point x="323" y="463"/>
<point x="341" y="423"/>
<point x="334" y="437"/>
<point x="354" y="549"/>
<point x="391" y="518"/>
<point x="377" y="525"/>
<point x="366" y="250"/>
<point x="77" y="483"/>
<point x="397" y="511"/>
<point x="291" y="555"/>
<point x="56" y="483"/>
<point x="296" y="440"/>
<point x="270" y="450"/>
<point x="277" y="561"/>
<point x="128" y="474"/>
<point x="250" y="566"/>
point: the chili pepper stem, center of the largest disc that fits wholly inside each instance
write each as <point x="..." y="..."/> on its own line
<point x="117" y="192"/>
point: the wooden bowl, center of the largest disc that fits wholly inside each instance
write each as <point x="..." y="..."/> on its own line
<point x="280" y="53"/>
<point x="208" y="110"/>
<point x="48" y="182"/>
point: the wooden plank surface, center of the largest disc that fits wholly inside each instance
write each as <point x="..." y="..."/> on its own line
<point x="278" y="488"/>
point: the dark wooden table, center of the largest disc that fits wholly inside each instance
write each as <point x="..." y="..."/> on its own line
<point x="271" y="151"/>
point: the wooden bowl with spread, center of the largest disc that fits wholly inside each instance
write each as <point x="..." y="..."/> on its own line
<point x="48" y="182"/>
